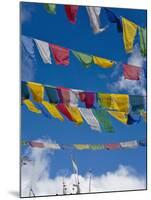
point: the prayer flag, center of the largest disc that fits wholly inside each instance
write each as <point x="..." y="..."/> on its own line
<point x="120" y="116"/>
<point x="136" y="103"/>
<point x="88" y="98"/>
<point x="37" y="91"/>
<point x="81" y="146"/>
<point x="60" y="54"/>
<point x="90" y="119"/>
<point x="85" y="59"/>
<point x="74" y="97"/>
<point x="129" y="33"/>
<point x="71" y="12"/>
<point x="63" y="109"/>
<point x="129" y="144"/>
<point x="143" y="41"/>
<point x="43" y="48"/>
<point x="50" y="8"/>
<point x="94" y="17"/>
<point x="102" y="117"/>
<point x="131" y="120"/>
<point x="102" y="62"/>
<point x="96" y="146"/>
<point x="131" y="72"/>
<point x="52" y="146"/>
<point x="52" y="110"/>
<point x="118" y="102"/>
<point x="52" y="94"/>
<point x="113" y="18"/>
<point x="31" y="106"/>
<point x="112" y="146"/>
<point x="75" y="113"/>
<point x="64" y="95"/>
<point x="36" y="144"/>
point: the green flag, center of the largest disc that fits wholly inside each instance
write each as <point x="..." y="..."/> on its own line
<point x="96" y="146"/>
<point x="143" y="41"/>
<point x="51" y="8"/>
<point x="103" y="119"/>
<point x="85" y="59"/>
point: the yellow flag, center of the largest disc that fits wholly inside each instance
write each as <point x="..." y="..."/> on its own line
<point x="31" y="106"/>
<point x="81" y="146"/>
<point x="129" y="33"/>
<point x="52" y="110"/>
<point x="102" y="62"/>
<point x="37" y="91"/>
<point x="118" y="102"/>
<point x="75" y="113"/>
<point x="120" y="116"/>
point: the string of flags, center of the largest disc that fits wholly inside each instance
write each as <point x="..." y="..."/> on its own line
<point x="58" y="102"/>
<point x="113" y="146"/>
<point x="125" y="26"/>
<point x="61" y="56"/>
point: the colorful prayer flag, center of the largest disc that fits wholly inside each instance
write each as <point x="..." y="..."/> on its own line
<point x="71" y="12"/>
<point x="64" y="95"/>
<point x="129" y="144"/>
<point x="60" y="54"/>
<point x="36" y="144"/>
<point x="85" y="59"/>
<point x="81" y="146"/>
<point x="37" y="91"/>
<point x="120" y="116"/>
<point x="52" y="94"/>
<point x="88" y="98"/>
<point x="63" y="109"/>
<point x="24" y="91"/>
<point x="31" y="106"/>
<point x="131" y="72"/>
<point x="112" y="146"/>
<point x="143" y="41"/>
<point x="136" y="103"/>
<point x="102" y="62"/>
<point x="129" y="33"/>
<point x="96" y="146"/>
<point x="50" y="8"/>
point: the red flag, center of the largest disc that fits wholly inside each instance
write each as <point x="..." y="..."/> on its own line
<point x="131" y="72"/>
<point x="62" y="108"/>
<point x="60" y="54"/>
<point x="112" y="146"/>
<point x="36" y="144"/>
<point x="88" y="98"/>
<point x="64" y="94"/>
<point x="71" y="12"/>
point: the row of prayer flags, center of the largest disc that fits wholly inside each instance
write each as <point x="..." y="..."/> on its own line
<point x="59" y="95"/>
<point x="61" y="56"/>
<point x="112" y="146"/>
<point x="125" y="26"/>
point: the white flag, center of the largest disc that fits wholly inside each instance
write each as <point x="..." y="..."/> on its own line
<point x="94" y="17"/>
<point x="90" y="118"/>
<point x="52" y="146"/>
<point x="129" y="144"/>
<point x="75" y="167"/>
<point x="44" y="51"/>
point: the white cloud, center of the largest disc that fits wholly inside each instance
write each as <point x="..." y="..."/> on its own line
<point x="36" y="173"/>
<point x="131" y="86"/>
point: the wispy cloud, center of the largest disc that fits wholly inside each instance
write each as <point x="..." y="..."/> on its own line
<point x="26" y="12"/>
<point x="131" y="86"/>
<point x="36" y="174"/>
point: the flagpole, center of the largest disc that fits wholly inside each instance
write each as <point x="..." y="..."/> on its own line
<point x="90" y="181"/>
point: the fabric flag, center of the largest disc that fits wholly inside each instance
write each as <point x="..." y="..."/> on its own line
<point x="52" y="94"/>
<point x="118" y="102"/>
<point x="94" y="17"/>
<point x="52" y="110"/>
<point x="36" y="144"/>
<point x="60" y="54"/>
<point x="50" y="8"/>
<point x="28" y="46"/>
<point x="129" y="144"/>
<point x="75" y="113"/>
<point x="85" y="59"/>
<point x="64" y="95"/>
<point x="88" y="98"/>
<point x="43" y="48"/>
<point x="24" y="143"/>
<point x="31" y="106"/>
<point x="37" y="91"/>
<point x="114" y="19"/>
<point x="96" y="146"/>
<point x="143" y="41"/>
<point x="74" y="97"/>
<point x="52" y="146"/>
<point x="131" y="120"/>
<point x="120" y="116"/>
<point x="131" y="72"/>
<point x="71" y="12"/>
<point x="63" y="109"/>
<point x="102" y="62"/>
<point x="136" y="103"/>
<point x="24" y="91"/>
<point x="75" y="167"/>
<point x="102" y="117"/>
<point x="90" y="119"/>
<point x="81" y="146"/>
<point x="129" y="33"/>
<point x="112" y="146"/>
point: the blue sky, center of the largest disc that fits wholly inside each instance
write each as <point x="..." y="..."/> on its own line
<point x="37" y="23"/>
